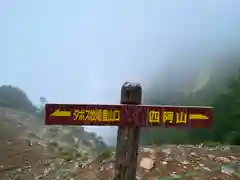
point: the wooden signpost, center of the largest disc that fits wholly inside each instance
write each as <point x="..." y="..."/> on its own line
<point x="129" y="116"/>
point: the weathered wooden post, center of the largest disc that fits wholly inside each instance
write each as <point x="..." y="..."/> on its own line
<point x="128" y="137"/>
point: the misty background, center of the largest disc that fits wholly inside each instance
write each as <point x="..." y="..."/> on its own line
<point x="83" y="51"/>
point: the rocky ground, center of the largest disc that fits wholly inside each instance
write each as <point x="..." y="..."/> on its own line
<point x="28" y="155"/>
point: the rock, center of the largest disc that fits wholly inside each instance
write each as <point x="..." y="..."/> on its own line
<point x="147" y="163"/>
<point x="201" y="145"/>
<point x="185" y="162"/>
<point x="223" y="159"/>
<point x="225" y="148"/>
<point x="205" y="168"/>
<point x="19" y="170"/>
<point x="227" y="170"/>
<point x="167" y="151"/>
<point x="210" y="156"/>
<point x="145" y="149"/>
<point x="164" y="162"/>
<point x="193" y="154"/>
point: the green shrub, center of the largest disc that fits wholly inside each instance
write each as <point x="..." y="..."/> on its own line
<point x="104" y="155"/>
<point x="233" y="138"/>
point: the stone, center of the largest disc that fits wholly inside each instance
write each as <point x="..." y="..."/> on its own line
<point x="223" y="159"/>
<point x="147" y="163"/>
<point x="227" y="170"/>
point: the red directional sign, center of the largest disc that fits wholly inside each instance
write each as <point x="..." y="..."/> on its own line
<point x="125" y="115"/>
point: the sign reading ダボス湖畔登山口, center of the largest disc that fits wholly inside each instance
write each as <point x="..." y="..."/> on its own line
<point x="125" y="115"/>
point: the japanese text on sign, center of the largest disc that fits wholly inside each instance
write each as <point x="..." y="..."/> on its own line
<point x="167" y="116"/>
<point x="104" y="115"/>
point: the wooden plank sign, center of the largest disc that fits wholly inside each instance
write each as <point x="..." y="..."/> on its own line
<point x="124" y="115"/>
<point x="130" y="115"/>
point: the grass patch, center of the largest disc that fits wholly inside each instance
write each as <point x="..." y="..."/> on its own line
<point x="104" y="155"/>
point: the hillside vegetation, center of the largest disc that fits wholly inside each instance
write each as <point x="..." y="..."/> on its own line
<point x="222" y="91"/>
<point x="16" y="99"/>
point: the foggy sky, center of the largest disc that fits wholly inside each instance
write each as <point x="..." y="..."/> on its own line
<point x="83" y="51"/>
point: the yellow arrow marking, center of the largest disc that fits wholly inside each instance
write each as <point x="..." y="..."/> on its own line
<point x="61" y="113"/>
<point x="198" y="116"/>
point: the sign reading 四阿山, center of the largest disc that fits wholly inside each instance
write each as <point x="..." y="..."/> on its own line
<point x="124" y="115"/>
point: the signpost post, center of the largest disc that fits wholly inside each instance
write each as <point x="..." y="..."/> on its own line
<point x="129" y="116"/>
<point x="128" y="137"/>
